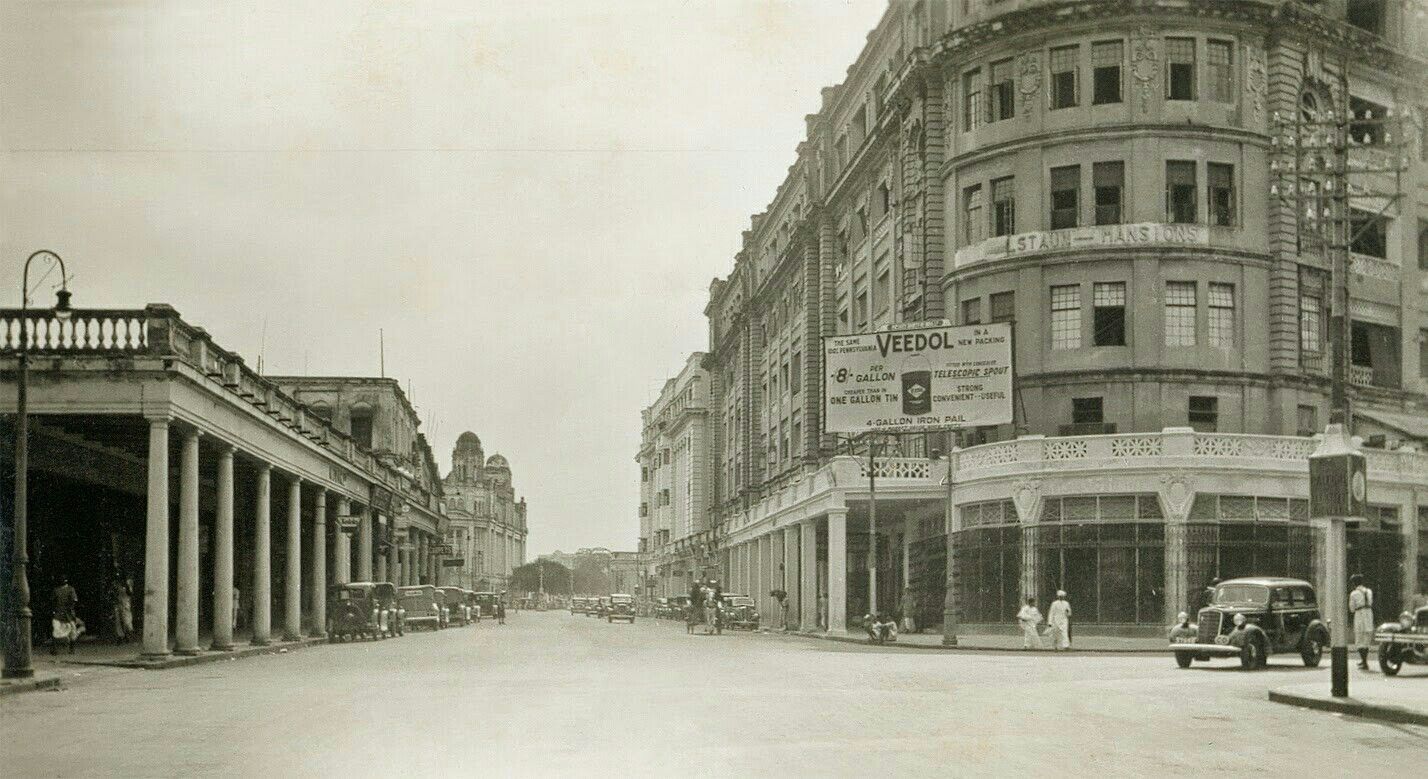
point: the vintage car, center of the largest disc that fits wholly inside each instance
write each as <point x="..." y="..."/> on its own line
<point x="391" y="617"/>
<point x="353" y="611"/>
<point x="678" y="607"/>
<point x="422" y="608"/>
<point x="739" y="612"/>
<point x="601" y="607"/>
<point x="660" y="608"/>
<point x="457" y="612"/>
<point x="1404" y="641"/>
<point x="1280" y="615"/>
<point x="621" y="606"/>
<point x="577" y="605"/>
<point x="487" y="602"/>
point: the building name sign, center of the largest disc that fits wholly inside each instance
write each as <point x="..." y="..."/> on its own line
<point x="348" y="521"/>
<point x="927" y="378"/>
<point x="1101" y="237"/>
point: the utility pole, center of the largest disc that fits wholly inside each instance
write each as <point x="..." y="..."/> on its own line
<point x="1326" y="160"/>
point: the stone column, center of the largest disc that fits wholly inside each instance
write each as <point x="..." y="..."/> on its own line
<point x="262" y="559"/>
<point x="790" y="573"/>
<point x="156" y="543"/>
<point x="342" y="558"/>
<point x="319" y="565"/>
<point x="837" y="571"/>
<point x="364" y="546"/>
<point x="186" y="619"/>
<point x="292" y="602"/>
<point x="393" y="565"/>
<point x="808" y="575"/>
<point x="223" y="554"/>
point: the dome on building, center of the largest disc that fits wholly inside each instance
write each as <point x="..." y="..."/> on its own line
<point x="468" y="440"/>
<point x="497" y="461"/>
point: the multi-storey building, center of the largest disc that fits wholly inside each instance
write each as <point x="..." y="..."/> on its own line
<point x="1099" y="174"/>
<point x="676" y="468"/>
<point x="487" y="524"/>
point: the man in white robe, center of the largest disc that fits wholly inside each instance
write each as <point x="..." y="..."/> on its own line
<point x="1029" y="617"/>
<point x="1059" y="617"/>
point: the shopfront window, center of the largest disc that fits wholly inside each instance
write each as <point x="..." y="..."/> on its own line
<point x="1108" y="553"/>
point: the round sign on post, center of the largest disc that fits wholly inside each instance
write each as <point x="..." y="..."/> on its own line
<point x="1338" y="493"/>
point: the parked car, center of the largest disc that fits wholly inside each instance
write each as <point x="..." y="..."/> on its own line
<point x="1280" y="615"/>
<point x="391" y="617"/>
<point x="1404" y="641"/>
<point x="487" y="602"/>
<point x="577" y="606"/>
<point x="740" y="612"/>
<point x="678" y="606"/>
<point x="660" y="608"/>
<point x="601" y="607"/>
<point x="621" y="606"/>
<point x="352" y="611"/>
<point x="420" y="603"/>
<point x="456" y="610"/>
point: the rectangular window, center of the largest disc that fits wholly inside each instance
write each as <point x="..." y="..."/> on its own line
<point x="1221" y="193"/>
<point x="972" y="111"/>
<point x="974" y="226"/>
<point x="1003" y="92"/>
<point x="860" y="310"/>
<point x="1179" y="68"/>
<point x="1370" y="127"/>
<point x="1108" y="311"/>
<point x="1368" y="234"/>
<point x="1220" y="69"/>
<point x="1306" y="420"/>
<point x="1003" y="206"/>
<point x="1087" y="411"/>
<point x="882" y="292"/>
<point x="1179" y="313"/>
<point x="1180" y="205"/>
<point x="1204" y="413"/>
<point x="972" y="311"/>
<point x="1108" y="179"/>
<point x="1066" y="317"/>
<point x="1065" y="61"/>
<point x="1106" y="59"/>
<point x="797" y="372"/>
<point x="1065" y="197"/>
<point x="1311" y="323"/>
<point x="1003" y="305"/>
<point x="1221" y="299"/>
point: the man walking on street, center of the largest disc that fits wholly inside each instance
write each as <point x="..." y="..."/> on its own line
<point x="1361" y="607"/>
<point x="64" y="624"/>
<point x="1059" y="616"/>
<point x="1029" y="617"/>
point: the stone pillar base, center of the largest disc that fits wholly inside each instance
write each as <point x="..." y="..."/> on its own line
<point x="258" y="642"/>
<point x="221" y="647"/>
<point x="188" y="652"/>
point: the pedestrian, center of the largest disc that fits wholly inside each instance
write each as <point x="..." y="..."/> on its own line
<point x="121" y="609"/>
<point x="784" y="605"/>
<point x="823" y="610"/>
<point x="64" y="623"/>
<point x="1361" y="607"/>
<point x="781" y="598"/>
<point x="909" y="610"/>
<point x="1030" y="618"/>
<point x="1059" y="616"/>
<point x="500" y="612"/>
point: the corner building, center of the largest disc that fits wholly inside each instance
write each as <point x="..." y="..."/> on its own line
<point x="487" y="529"/>
<point x="1097" y="173"/>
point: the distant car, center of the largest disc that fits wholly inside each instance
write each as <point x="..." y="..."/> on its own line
<point x="620" y="606"/>
<point x="577" y="605"/>
<point x="422" y="609"/>
<point x="1281" y="616"/>
<point x="487" y="602"/>
<point x="739" y="612"/>
<point x="678" y="607"/>
<point x="660" y="610"/>
<point x="1404" y="641"/>
<point x="353" y="611"/>
<point x="457" y="612"/>
<point x="601" y="606"/>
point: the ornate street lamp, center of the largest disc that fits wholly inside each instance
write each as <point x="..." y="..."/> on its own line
<point x="17" y="638"/>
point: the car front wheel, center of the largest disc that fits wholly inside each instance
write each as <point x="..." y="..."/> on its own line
<point x="1183" y="659"/>
<point x="1313" y="651"/>
<point x="1252" y="655"/>
<point x="1390" y="660"/>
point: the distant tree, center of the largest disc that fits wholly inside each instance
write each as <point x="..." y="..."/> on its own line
<point x="592" y="576"/>
<point x="527" y="578"/>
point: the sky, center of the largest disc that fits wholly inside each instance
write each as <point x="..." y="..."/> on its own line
<point x="528" y="200"/>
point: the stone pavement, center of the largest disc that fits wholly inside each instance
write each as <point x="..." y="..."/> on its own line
<point x="1401" y="699"/>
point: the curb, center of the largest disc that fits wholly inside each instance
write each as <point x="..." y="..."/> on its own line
<point x="1352" y="707"/>
<point x="182" y="661"/>
<point x="963" y="648"/>
<point x="40" y="681"/>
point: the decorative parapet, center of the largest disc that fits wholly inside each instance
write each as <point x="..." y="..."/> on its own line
<point x="157" y="330"/>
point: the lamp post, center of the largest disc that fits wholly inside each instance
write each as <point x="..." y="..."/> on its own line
<point x="17" y="638"/>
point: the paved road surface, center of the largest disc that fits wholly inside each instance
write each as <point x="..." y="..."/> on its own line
<point x="550" y="694"/>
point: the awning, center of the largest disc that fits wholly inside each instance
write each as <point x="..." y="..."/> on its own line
<point x="1411" y="425"/>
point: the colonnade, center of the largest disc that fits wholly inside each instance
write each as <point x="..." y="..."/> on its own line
<point x="403" y="563"/>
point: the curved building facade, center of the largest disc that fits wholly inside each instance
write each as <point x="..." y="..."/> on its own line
<point x="1108" y="176"/>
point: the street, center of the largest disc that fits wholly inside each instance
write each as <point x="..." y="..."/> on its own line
<point x="549" y="693"/>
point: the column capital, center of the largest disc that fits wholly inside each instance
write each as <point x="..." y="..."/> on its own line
<point x="159" y="417"/>
<point x="189" y="431"/>
<point x="225" y="449"/>
<point x="265" y="467"/>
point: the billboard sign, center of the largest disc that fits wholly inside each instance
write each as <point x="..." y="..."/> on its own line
<point x="928" y="378"/>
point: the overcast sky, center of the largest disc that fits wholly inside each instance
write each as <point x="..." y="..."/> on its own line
<point x="529" y="198"/>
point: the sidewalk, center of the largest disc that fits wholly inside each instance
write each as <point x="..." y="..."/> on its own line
<point x="42" y="680"/>
<point x="1402" y="699"/>
<point x="1000" y="643"/>
<point x="104" y="652"/>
